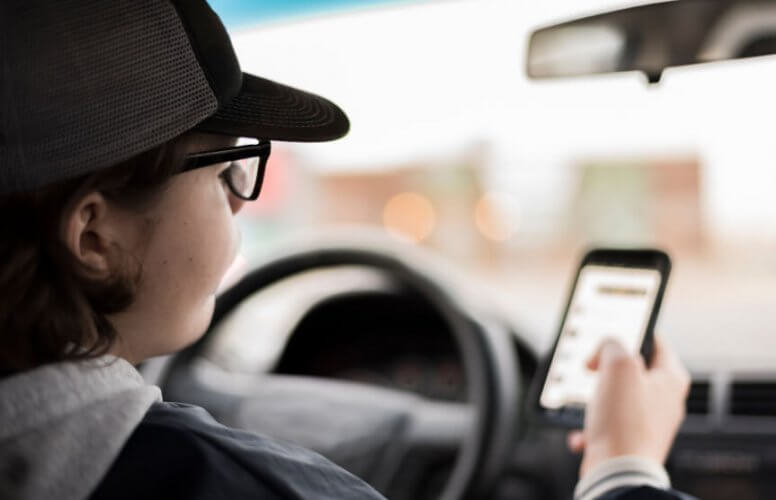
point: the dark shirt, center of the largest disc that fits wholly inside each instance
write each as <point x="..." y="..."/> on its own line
<point x="179" y="451"/>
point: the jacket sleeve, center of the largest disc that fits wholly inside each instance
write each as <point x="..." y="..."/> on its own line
<point x="644" y="493"/>
<point x="628" y="477"/>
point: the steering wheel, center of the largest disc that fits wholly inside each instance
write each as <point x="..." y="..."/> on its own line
<point x="401" y="424"/>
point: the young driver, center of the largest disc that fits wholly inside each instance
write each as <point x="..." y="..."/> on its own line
<point x="119" y="181"/>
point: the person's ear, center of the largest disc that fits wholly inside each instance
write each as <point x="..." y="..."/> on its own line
<point x="88" y="232"/>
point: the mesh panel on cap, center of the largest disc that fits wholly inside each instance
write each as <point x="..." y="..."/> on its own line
<point x="89" y="83"/>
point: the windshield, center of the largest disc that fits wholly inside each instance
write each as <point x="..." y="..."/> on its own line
<point x="453" y="148"/>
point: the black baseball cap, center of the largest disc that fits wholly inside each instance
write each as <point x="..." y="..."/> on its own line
<point x="85" y="84"/>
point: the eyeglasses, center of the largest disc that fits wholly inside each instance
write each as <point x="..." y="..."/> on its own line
<point x="245" y="172"/>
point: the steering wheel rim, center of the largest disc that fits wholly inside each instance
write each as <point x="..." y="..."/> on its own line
<point x="486" y="357"/>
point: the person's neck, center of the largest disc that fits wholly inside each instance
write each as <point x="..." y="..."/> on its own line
<point x="123" y="350"/>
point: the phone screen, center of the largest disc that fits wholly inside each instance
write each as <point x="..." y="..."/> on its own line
<point x="607" y="302"/>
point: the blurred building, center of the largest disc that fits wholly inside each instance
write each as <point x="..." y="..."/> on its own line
<point x="430" y="202"/>
<point x="654" y="201"/>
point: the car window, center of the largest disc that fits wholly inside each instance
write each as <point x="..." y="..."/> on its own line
<point x="453" y="148"/>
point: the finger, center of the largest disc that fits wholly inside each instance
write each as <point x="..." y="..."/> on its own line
<point x="609" y="351"/>
<point x="667" y="368"/>
<point x="575" y="440"/>
<point x="665" y="358"/>
<point x="660" y="352"/>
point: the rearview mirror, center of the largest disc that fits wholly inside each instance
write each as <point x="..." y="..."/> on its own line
<point x="650" y="38"/>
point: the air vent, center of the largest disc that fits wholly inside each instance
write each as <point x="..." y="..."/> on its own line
<point x="698" y="399"/>
<point x="753" y="398"/>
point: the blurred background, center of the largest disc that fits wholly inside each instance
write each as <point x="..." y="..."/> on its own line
<point x="453" y="149"/>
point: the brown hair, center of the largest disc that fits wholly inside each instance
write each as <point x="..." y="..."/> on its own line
<point x="51" y="308"/>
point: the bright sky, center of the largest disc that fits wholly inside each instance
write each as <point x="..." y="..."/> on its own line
<point x="429" y="79"/>
<point x="238" y="14"/>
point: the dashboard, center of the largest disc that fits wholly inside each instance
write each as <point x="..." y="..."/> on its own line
<point x="380" y="338"/>
<point x="727" y="445"/>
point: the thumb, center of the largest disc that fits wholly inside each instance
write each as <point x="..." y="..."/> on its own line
<point x="608" y="351"/>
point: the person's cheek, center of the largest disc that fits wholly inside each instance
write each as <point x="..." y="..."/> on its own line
<point x="224" y="243"/>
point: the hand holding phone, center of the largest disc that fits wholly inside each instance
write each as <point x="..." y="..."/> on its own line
<point x="636" y="408"/>
<point x="616" y="295"/>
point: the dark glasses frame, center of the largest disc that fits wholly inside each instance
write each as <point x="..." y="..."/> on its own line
<point x="208" y="158"/>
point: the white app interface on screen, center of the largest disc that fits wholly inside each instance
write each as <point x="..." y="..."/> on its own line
<point x="608" y="302"/>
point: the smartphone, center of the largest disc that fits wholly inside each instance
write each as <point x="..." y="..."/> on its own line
<point x="616" y="294"/>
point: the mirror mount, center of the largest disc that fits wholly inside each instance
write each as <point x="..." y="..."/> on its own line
<point x="653" y="77"/>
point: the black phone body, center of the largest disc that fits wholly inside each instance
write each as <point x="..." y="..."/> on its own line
<point x="616" y="294"/>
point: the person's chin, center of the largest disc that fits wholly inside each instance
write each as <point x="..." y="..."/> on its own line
<point x="233" y="273"/>
<point x="199" y="326"/>
<point x="207" y="311"/>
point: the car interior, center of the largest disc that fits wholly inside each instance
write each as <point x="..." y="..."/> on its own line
<point x="419" y="373"/>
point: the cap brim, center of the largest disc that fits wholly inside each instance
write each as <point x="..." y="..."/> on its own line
<point x="267" y="110"/>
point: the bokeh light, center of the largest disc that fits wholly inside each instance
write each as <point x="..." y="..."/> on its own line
<point x="497" y="216"/>
<point x="410" y="215"/>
